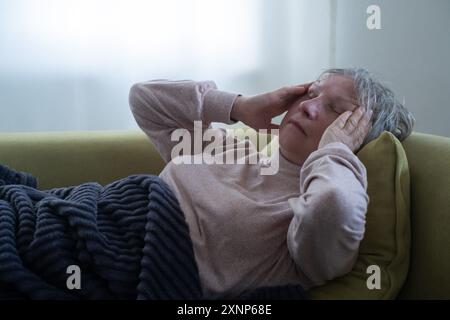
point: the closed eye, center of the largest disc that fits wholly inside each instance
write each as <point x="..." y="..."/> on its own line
<point x="334" y="109"/>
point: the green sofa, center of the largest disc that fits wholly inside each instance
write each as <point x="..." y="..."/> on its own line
<point x="69" y="158"/>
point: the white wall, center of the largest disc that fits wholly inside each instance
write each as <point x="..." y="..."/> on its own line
<point x="411" y="53"/>
<point x="68" y="65"/>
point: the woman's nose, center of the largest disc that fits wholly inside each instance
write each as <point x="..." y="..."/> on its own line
<point x="309" y="108"/>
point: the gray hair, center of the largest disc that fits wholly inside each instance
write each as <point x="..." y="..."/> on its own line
<point x="388" y="113"/>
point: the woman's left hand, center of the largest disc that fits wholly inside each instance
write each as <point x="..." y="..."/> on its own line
<point x="350" y="128"/>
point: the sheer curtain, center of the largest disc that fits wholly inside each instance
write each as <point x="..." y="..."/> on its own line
<point x="68" y="65"/>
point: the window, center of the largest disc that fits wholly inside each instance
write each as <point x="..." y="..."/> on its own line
<point x="68" y="65"/>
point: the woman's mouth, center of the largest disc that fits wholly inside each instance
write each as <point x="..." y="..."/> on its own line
<point x="298" y="126"/>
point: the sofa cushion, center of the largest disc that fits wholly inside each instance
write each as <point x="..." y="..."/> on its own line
<point x="386" y="242"/>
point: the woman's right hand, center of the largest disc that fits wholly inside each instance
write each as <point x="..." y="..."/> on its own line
<point x="257" y="111"/>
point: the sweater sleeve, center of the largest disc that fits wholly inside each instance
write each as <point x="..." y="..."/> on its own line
<point x="162" y="106"/>
<point x="329" y="216"/>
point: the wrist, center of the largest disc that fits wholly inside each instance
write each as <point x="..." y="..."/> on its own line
<point x="236" y="110"/>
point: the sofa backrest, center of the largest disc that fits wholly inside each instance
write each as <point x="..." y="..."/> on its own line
<point x="60" y="159"/>
<point x="429" y="165"/>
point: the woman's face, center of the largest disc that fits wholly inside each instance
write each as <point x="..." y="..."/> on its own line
<point x="309" y="116"/>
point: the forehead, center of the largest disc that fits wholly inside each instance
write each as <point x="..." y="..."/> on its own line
<point x="338" y="88"/>
<point x="337" y="85"/>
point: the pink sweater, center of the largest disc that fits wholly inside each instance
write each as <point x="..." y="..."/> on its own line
<point x="302" y="225"/>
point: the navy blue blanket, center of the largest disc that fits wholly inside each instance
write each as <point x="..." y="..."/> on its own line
<point x="129" y="240"/>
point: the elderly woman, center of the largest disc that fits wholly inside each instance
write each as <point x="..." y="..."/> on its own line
<point x="300" y="226"/>
<point x="208" y="230"/>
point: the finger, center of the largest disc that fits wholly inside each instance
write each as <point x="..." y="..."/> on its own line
<point x="353" y="121"/>
<point x="298" y="88"/>
<point x="306" y="85"/>
<point x="342" y="119"/>
<point x="369" y="115"/>
<point x="367" y="118"/>
<point x="363" y="126"/>
<point x="363" y="129"/>
<point x="366" y="122"/>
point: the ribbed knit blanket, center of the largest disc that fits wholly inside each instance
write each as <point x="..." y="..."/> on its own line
<point x="126" y="240"/>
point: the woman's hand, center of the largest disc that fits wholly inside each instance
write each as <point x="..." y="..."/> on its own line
<point x="350" y="128"/>
<point x="257" y="111"/>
